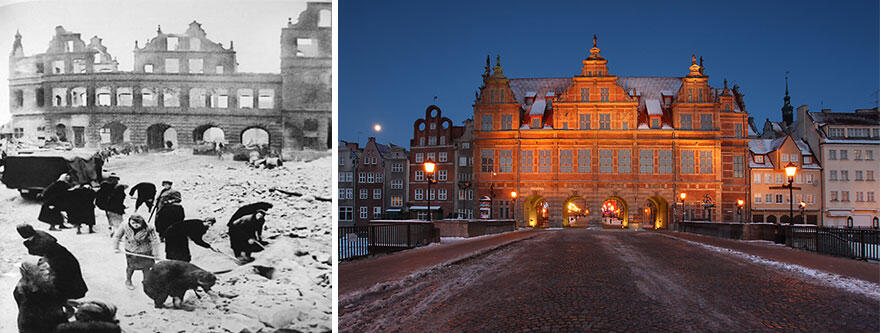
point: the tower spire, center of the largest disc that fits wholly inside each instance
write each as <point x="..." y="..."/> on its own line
<point x="17" y="50"/>
<point x="787" y="109"/>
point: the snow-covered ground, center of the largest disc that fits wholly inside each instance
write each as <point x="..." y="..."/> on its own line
<point x="857" y="286"/>
<point x="297" y="296"/>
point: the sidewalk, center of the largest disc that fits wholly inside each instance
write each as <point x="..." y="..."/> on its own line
<point x="841" y="266"/>
<point x="363" y="274"/>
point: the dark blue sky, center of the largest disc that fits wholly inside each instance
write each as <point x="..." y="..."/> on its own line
<point x="395" y="56"/>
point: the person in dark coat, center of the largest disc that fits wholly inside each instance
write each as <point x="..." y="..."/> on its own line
<point x="55" y="201"/>
<point x="167" y="194"/>
<point x="115" y="206"/>
<point x="146" y="193"/>
<point x="244" y="235"/>
<point x="171" y="213"/>
<point x="45" y="287"/>
<point x="177" y="238"/>
<point x="81" y="209"/>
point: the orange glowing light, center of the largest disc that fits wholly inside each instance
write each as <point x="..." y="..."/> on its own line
<point x="803" y="204"/>
<point x="430" y="166"/>
<point x="513" y="194"/>
<point x="740" y="202"/>
<point x="790" y="169"/>
<point x="573" y="208"/>
<point x="682" y="196"/>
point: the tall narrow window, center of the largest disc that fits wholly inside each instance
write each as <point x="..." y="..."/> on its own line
<point x="687" y="161"/>
<point x="686" y="121"/>
<point x="705" y="161"/>
<point x="585" y="94"/>
<point x="604" y="94"/>
<point x="267" y="98"/>
<point x="487" y="160"/>
<point x="584" y="121"/>
<point x="706" y="122"/>
<point x="605" y="121"/>
<point x="525" y="161"/>
<point x="584" y="161"/>
<point x="123" y="96"/>
<point x="565" y="161"/>
<point x="507" y="121"/>
<point x="505" y="161"/>
<point x="646" y="161"/>
<point x="665" y="161"/>
<point x="544" y="161"/>
<point x="738" y="167"/>
<point x="198" y="97"/>
<point x="486" y="122"/>
<point x="246" y="98"/>
<point x="738" y="130"/>
<point x="605" y="160"/>
<point x="148" y="97"/>
<point x="624" y="159"/>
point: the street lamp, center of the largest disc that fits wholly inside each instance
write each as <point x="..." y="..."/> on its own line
<point x="682" y="195"/>
<point x="790" y="171"/>
<point x="803" y="206"/>
<point x="739" y="209"/>
<point x="513" y="205"/>
<point x="430" y="166"/>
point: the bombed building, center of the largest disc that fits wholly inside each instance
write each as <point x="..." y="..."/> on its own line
<point x="184" y="89"/>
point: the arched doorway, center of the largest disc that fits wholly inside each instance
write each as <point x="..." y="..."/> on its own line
<point x="771" y="219"/>
<point x="537" y="211"/>
<point x="208" y="133"/>
<point x="615" y="212"/>
<point x="575" y="211"/>
<point x="255" y="136"/>
<point x="113" y="133"/>
<point x="784" y="219"/>
<point x="161" y="136"/>
<point x="656" y="213"/>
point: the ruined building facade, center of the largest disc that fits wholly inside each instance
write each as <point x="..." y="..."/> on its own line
<point x="596" y="148"/>
<point x="184" y="89"/>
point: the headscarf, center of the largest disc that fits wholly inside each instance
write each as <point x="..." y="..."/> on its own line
<point x="140" y="234"/>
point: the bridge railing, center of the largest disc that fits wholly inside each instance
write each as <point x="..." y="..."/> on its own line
<point x="843" y="242"/>
<point x="361" y="241"/>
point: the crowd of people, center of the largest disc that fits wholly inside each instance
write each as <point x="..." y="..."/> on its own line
<point x="46" y="289"/>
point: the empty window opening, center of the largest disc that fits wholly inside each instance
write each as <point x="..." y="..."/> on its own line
<point x="18" y="98"/>
<point x="218" y="69"/>
<point x="195" y="44"/>
<point x="69" y="46"/>
<point x="246" y="98"/>
<point x="171" y="43"/>
<point x="58" y="96"/>
<point x="40" y="97"/>
<point x="78" y="97"/>
<point x="79" y="66"/>
<point x="220" y="99"/>
<point x="148" y="97"/>
<point x="123" y="96"/>
<point x="171" y="97"/>
<point x="324" y="18"/>
<point x="172" y="65"/>
<point x="198" y="97"/>
<point x="255" y="136"/>
<point x="97" y="58"/>
<point x="196" y="66"/>
<point x="102" y="95"/>
<point x="58" y="67"/>
<point x="40" y="68"/>
<point x="148" y="68"/>
<point x="267" y="98"/>
<point x="306" y="47"/>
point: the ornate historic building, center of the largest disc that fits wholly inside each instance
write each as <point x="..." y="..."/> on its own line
<point x="436" y="139"/>
<point x="595" y="147"/>
<point x="184" y="89"/>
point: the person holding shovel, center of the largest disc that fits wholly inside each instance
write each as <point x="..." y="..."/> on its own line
<point x="178" y="235"/>
<point x="141" y="246"/>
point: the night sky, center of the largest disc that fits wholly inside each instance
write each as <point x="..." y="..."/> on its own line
<point x="395" y="56"/>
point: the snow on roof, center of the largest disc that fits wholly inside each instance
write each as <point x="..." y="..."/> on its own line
<point x="524" y="127"/>
<point x="643" y="126"/>
<point x="764" y="146"/>
<point x="666" y="126"/>
<point x="654" y="108"/>
<point x="838" y="118"/>
<point x="550" y="94"/>
<point x="521" y="87"/>
<point x="651" y="87"/>
<point x="667" y="92"/>
<point x="849" y="141"/>
<point x="803" y="146"/>
<point x="531" y="94"/>
<point x="538" y="107"/>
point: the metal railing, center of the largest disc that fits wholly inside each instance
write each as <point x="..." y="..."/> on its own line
<point x="361" y="241"/>
<point x="853" y="243"/>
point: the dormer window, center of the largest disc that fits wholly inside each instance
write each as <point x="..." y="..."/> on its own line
<point x="171" y="44"/>
<point x="759" y="159"/>
<point x="536" y="122"/>
<point x="655" y="122"/>
<point x="808" y="160"/>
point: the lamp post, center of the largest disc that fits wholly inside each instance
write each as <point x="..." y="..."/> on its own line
<point x="430" y="166"/>
<point x="739" y="209"/>
<point x="803" y="206"/>
<point x="682" y="195"/>
<point x="513" y="207"/>
<point x="790" y="171"/>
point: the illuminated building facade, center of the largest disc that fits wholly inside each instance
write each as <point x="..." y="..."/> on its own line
<point x="596" y="140"/>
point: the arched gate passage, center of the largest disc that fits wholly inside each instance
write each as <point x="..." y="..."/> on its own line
<point x="536" y="211"/>
<point x="615" y="212"/>
<point x="657" y="213"/>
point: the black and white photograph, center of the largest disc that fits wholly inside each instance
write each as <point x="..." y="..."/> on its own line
<point x="166" y="166"/>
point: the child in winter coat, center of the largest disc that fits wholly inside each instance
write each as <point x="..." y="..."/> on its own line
<point x="141" y="246"/>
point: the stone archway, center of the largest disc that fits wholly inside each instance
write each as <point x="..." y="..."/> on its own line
<point x="615" y="212"/>
<point x="536" y="211"/>
<point x="657" y="213"/>
<point x="208" y="133"/>
<point x="161" y="136"/>
<point x="575" y="212"/>
<point x="255" y="135"/>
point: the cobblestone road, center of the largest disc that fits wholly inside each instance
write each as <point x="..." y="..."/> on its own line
<point x="575" y="280"/>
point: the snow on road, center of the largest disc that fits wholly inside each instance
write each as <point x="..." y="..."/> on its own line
<point x="297" y="296"/>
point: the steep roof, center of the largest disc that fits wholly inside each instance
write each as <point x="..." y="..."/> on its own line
<point x="839" y="118"/>
<point x="650" y="87"/>
<point x="540" y="86"/>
